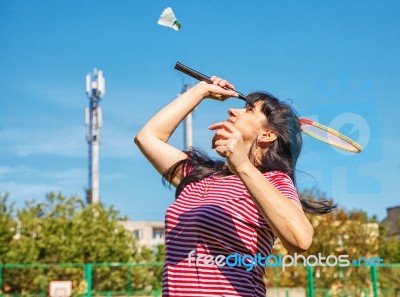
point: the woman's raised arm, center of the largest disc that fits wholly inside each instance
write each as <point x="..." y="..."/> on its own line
<point x="153" y="137"/>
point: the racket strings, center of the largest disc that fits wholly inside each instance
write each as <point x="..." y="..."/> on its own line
<point x="330" y="136"/>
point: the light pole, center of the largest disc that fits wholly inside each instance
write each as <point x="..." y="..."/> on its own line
<point x="187" y="124"/>
<point x="95" y="89"/>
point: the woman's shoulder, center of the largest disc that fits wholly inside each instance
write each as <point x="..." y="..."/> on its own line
<point x="277" y="175"/>
<point x="283" y="183"/>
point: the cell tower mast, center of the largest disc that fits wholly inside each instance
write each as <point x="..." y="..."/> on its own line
<point x="95" y="89"/>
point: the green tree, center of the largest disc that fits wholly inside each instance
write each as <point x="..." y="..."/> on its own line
<point x="158" y="270"/>
<point x="341" y="232"/>
<point x="389" y="251"/>
<point x="8" y="227"/>
<point x="98" y="237"/>
<point x="62" y="229"/>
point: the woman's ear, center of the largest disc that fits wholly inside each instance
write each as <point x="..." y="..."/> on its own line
<point x="266" y="138"/>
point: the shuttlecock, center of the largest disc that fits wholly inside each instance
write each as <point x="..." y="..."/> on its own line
<point x="168" y="19"/>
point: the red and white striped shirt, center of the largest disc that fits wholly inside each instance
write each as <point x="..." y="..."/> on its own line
<point x="217" y="216"/>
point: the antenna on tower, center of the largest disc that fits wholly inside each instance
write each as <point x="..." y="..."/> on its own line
<point x="95" y="90"/>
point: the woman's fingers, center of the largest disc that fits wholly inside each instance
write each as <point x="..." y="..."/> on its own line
<point x="225" y="138"/>
<point x="219" y="92"/>
<point x="224" y="149"/>
<point x="221" y="143"/>
<point x="221" y="151"/>
<point x="225" y="130"/>
<point x="225" y="89"/>
<point x="217" y="138"/>
<point x="221" y="82"/>
<point x="227" y="126"/>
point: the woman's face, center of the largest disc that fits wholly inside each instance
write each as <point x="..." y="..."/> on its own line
<point x="249" y="121"/>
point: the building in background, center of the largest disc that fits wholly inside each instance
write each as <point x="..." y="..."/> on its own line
<point x="148" y="233"/>
<point x="392" y="222"/>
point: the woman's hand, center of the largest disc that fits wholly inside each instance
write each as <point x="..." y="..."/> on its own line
<point x="219" y="89"/>
<point x="228" y="143"/>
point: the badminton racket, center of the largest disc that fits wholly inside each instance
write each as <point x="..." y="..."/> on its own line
<point x="308" y="127"/>
<point x="199" y="76"/>
<point x="329" y="135"/>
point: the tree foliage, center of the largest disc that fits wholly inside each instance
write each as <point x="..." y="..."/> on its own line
<point x="341" y="232"/>
<point x="8" y="227"/>
<point x="66" y="230"/>
<point x="389" y="250"/>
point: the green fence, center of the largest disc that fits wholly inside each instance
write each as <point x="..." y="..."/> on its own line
<point x="335" y="281"/>
<point x="88" y="279"/>
<point x="132" y="279"/>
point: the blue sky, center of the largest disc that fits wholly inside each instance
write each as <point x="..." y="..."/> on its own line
<point x="337" y="61"/>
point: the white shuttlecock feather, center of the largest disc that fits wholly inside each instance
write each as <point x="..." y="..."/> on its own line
<point x="168" y="19"/>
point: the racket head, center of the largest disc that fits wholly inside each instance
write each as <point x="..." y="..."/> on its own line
<point x="329" y="136"/>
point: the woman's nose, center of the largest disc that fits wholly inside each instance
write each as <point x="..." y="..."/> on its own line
<point x="232" y="112"/>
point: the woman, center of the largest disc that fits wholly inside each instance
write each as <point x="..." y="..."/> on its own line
<point x="238" y="206"/>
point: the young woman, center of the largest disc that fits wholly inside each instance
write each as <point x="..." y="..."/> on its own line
<point x="231" y="208"/>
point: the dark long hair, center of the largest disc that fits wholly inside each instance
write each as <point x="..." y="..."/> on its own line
<point x="281" y="156"/>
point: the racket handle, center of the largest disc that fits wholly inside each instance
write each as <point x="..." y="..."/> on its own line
<point x="199" y="76"/>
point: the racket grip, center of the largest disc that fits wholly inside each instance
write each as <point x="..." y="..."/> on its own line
<point x="201" y="77"/>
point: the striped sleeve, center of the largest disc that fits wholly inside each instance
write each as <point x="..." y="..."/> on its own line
<point x="283" y="184"/>
<point x="185" y="170"/>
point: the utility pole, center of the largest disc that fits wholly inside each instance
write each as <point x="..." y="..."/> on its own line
<point x="187" y="124"/>
<point x="95" y="89"/>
